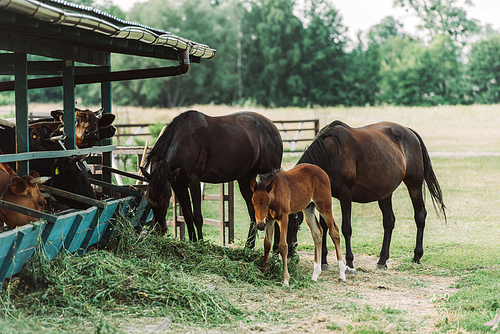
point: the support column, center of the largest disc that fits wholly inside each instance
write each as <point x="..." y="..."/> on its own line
<point x="21" y="92"/>
<point x="107" y="106"/>
<point x="69" y="103"/>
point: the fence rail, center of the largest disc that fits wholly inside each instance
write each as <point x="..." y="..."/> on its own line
<point x="295" y="133"/>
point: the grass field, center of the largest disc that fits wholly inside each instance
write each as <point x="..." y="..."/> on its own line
<point x="454" y="290"/>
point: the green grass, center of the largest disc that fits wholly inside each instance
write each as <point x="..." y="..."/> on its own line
<point x="467" y="245"/>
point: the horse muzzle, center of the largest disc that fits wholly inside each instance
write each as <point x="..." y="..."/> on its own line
<point x="261" y="225"/>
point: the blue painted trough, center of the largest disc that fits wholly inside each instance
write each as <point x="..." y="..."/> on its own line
<point x="68" y="231"/>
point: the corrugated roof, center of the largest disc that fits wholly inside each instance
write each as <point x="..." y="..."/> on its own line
<point x="89" y="18"/>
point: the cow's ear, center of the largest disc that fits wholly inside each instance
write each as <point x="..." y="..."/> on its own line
<point x="57" y="169"/>
<point x="56" y="114"/>
<point x="106" y="119"/>
<point x="18" y="186"/>
<point x="34" y="174"/>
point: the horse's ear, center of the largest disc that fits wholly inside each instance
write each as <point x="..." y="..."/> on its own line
<point x="145" y="173"/>
<point x="173" y="175"/>
<point x="253" y="183"/>
<point x="270" y="186"/>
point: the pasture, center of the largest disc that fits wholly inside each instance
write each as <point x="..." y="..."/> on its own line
<point x="144" y="283"/>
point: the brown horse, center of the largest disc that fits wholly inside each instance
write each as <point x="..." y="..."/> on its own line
<point x="367" y="164"/>
<point x="198" y="148"/>
<point x="276" y="195"/>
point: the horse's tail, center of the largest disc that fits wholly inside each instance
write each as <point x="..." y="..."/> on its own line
<point x="430" y="178"/>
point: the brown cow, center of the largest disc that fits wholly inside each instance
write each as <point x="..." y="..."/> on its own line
<point x="22" y="191"/>
<point x="89" y="125"/>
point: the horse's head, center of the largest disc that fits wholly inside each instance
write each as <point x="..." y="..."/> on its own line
<point x="262" y="187"/>
<point x="159" y="189"/>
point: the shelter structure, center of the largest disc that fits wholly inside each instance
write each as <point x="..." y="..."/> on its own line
<point x="79" y="42"/>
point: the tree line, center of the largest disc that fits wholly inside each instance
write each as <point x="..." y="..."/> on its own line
<point x="278" y="53"/>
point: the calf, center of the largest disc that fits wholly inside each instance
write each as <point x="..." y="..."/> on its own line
<point x="69" y="174"/>
<point x="90" y="126"/>
<point x="22" y="191"/>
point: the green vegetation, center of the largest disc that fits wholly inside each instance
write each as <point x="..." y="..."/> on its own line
<point x="277" y="53"/>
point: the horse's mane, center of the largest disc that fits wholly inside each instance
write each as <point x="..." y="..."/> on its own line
<point x="158" y="181"/>
<point x="318" y="154"/>
<point x="159" y="150"/>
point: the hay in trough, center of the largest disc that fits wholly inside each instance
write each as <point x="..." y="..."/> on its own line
<point x="142" y="274"/>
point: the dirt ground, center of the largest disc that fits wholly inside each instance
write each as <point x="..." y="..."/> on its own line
<point x="389" y="301"/>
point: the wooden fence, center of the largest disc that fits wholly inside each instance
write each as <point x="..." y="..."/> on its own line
<point x="295" y="133"/>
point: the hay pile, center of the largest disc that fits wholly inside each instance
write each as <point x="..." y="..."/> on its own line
<point x="143" y="274"/>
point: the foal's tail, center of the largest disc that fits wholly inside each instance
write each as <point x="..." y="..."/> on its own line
<point x="431" y="179"/>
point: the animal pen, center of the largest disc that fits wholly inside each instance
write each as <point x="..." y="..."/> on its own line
<point x="68" y="34"/>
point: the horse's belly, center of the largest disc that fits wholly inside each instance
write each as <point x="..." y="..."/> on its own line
<point x="363" y="194"/>
<point x="227" y="175"/>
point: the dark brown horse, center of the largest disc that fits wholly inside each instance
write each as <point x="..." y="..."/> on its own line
<point x="367" y="164"/>
<point x="302" y="188"/>
<point x="198" y="148"/>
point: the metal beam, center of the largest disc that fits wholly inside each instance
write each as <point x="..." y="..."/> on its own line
<point x="54" y="154"/>
<point x="99" y="77"/>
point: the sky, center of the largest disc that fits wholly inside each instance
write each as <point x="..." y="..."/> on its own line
<point x="363" y="14"/>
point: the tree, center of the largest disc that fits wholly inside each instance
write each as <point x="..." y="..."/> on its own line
<point x="212" y="81"/>
<point x="271" y="52"/>
<point x="443" y="17"/>
<point x="484" y="69"/>
<point x="325" y="66"/>
<point x="389" y="26"/>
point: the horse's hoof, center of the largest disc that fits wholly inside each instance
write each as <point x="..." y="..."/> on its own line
<point x="381" y="266"/>
<point x="350" y="271"/>
<point x="324" y="267"/>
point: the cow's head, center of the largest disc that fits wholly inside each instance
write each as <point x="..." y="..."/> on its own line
<point x="22" y="191"/>
<point x="71" y="174"/>
<point x="88" y="126"/>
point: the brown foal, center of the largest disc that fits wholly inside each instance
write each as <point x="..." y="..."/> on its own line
<point x="303" y="188"/>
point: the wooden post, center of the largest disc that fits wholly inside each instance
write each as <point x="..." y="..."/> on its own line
<point x="222" y="216"/>
<point x="230" y="202"/>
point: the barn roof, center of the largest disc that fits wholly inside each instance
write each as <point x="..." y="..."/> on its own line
<point x="64" y="30"/>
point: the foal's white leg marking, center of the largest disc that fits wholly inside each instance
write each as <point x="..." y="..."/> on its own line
<point x="316" y="271"/>
<point x="316" y="233"/>
<point x="342" y="268"/>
